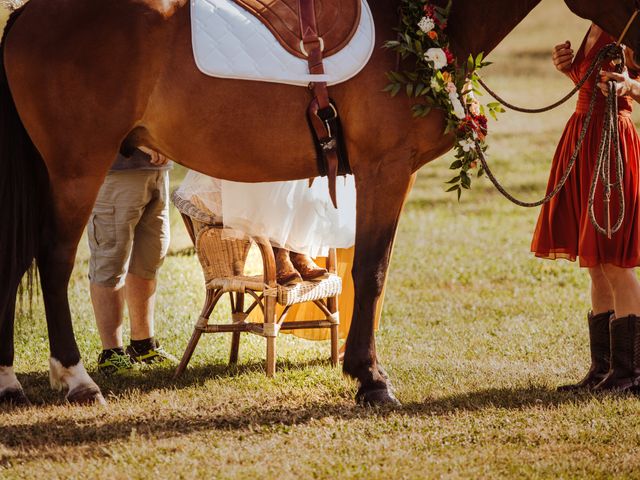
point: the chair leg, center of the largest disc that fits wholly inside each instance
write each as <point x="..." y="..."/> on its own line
<point x="210" y="302"/>
<point x="335" y="349"/>
<point x="271" y="356"/>
<point x="237" y="309"/>
<point x="271" y="330"/>
<point x="332" y="305"/>
<point x="235" y="348"/>
<point x="188" y="353"/>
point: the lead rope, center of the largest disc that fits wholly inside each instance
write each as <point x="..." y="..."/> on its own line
<point x="606" y="52"/>
<point x="603" y="166"/>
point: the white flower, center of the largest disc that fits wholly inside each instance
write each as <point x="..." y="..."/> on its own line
<point x="426" y="24"/>
<point x="437" y="56"/>
<point x="472" y="102"/>
<point x="458" y="109"/>
<point x="466" y="144"/>
<point x="474" y="108"/>
<point x="435" y="84"/>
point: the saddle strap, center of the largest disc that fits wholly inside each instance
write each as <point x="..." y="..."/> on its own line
<point x="322" y="113"/>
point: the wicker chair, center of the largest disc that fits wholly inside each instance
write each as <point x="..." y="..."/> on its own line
<point x="223" y="263"/>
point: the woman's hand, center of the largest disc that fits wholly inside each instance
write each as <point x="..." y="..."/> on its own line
<point x="563" y="57"/>
<point x="157" y="158"/>
<point x="625" y="85"/>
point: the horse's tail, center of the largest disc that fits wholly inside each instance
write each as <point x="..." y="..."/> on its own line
<point x="24" y="186"/>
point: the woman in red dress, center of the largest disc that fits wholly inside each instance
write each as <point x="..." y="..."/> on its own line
<point x="565" y="231"/>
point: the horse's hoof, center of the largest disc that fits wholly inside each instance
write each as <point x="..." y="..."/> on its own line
<point x="86" y="395"/>
<point x="14" y="397"/>
<point x="380" y="397"/>
<point x="383" y="373"/>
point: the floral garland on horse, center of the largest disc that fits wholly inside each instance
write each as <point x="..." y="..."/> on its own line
<point x="437" y="81"/>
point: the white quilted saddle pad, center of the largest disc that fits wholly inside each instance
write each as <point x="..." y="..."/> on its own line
<point x="229" y="42"/>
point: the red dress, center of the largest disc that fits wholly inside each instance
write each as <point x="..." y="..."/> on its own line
<point x="564" y="229"/>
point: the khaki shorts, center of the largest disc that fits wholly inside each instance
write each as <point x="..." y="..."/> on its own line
<point x="128" y="229"/>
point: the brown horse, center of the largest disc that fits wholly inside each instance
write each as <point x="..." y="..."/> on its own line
<point x="83" y="79"/>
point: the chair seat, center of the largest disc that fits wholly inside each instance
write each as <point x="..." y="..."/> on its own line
<point x="286" y="295"/>
<point x="337" y="21"/>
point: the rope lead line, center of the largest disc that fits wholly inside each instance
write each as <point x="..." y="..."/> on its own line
<point x="603" y="168"/>
<point x="609" y="146"/>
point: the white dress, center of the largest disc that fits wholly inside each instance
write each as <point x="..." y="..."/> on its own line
<point x="290" y="215"/>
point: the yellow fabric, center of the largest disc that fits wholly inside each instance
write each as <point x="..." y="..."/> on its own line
<point x="308" y="311"/>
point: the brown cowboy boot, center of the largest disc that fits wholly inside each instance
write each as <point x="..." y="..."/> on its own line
<point x="286" y="274"/>
<point x="308" y="268"/>
<point x="600" y="353"/>
<point x="624" y="374"/>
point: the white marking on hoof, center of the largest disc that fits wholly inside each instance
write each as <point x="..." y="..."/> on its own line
<point x="8" y="380"/>
<point x="74" y="379"/>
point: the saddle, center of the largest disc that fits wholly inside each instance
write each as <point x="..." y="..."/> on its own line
<point x="315" y="29"/>
<point x="336" y="22"/>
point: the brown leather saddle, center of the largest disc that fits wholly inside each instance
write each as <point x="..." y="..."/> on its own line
<point x="337" y="22"/>
<point x="314" y="30"/>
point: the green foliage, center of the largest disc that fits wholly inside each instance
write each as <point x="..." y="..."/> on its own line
<point x="451" y="87"/>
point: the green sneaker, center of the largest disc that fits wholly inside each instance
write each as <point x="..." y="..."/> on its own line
<point x="156" y="354"/>
<point x="114" y="362"/>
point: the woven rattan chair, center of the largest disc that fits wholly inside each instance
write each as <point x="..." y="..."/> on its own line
<point x="223" y="263"/>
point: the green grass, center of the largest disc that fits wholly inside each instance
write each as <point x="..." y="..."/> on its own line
<point x="476" y="333"/>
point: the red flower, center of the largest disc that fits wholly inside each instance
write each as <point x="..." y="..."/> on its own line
<point x="450" y="57"/>
<point x="482" y="123"/>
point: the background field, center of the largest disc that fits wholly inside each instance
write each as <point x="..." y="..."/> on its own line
<point x="476" y="334"/>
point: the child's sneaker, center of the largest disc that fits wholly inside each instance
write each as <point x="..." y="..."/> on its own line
<point x="153" y="353"/>
<point x="114" y="362"/>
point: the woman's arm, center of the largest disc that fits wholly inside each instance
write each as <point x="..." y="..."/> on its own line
<point x="625" y="85"/>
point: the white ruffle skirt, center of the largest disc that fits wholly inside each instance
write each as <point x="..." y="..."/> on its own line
<point x="289" y="215"/>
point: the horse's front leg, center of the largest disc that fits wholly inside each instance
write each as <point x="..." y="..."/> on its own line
<point x="381" y="196"/>
<point x="72" y="202"/>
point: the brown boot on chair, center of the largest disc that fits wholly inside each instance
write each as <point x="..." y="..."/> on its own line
<point x="308" y="268"/>
<point x="286" y="274"/>
<point x="624" y="374"/>
<point x="600" y="353"/>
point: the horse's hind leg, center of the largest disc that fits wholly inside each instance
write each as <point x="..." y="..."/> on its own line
<point x="10" y="389"/>
<point x="380" y="201"/>
<point x="72" y="200"/>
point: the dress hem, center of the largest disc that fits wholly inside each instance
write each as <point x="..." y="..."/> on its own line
<point x="583" y="263"/>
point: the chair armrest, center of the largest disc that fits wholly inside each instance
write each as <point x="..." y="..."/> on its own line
<point x="188" y="223"/>
<point x="268" y="261"/>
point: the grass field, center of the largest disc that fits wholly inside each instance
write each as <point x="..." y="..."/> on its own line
<point x="476" y="334"/>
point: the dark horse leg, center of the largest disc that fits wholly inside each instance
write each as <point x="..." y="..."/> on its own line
<point x="72" y="199"/>
<point x="380" y="203"/>
<point x="10" y="389"/>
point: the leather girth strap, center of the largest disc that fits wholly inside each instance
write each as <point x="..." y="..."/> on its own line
<point x="322" y="114"/>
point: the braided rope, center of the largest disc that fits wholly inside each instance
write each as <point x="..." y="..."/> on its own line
<point x="565" y="175"/>
<point x="607" y="52"/>
<point x="603" y="166"/>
